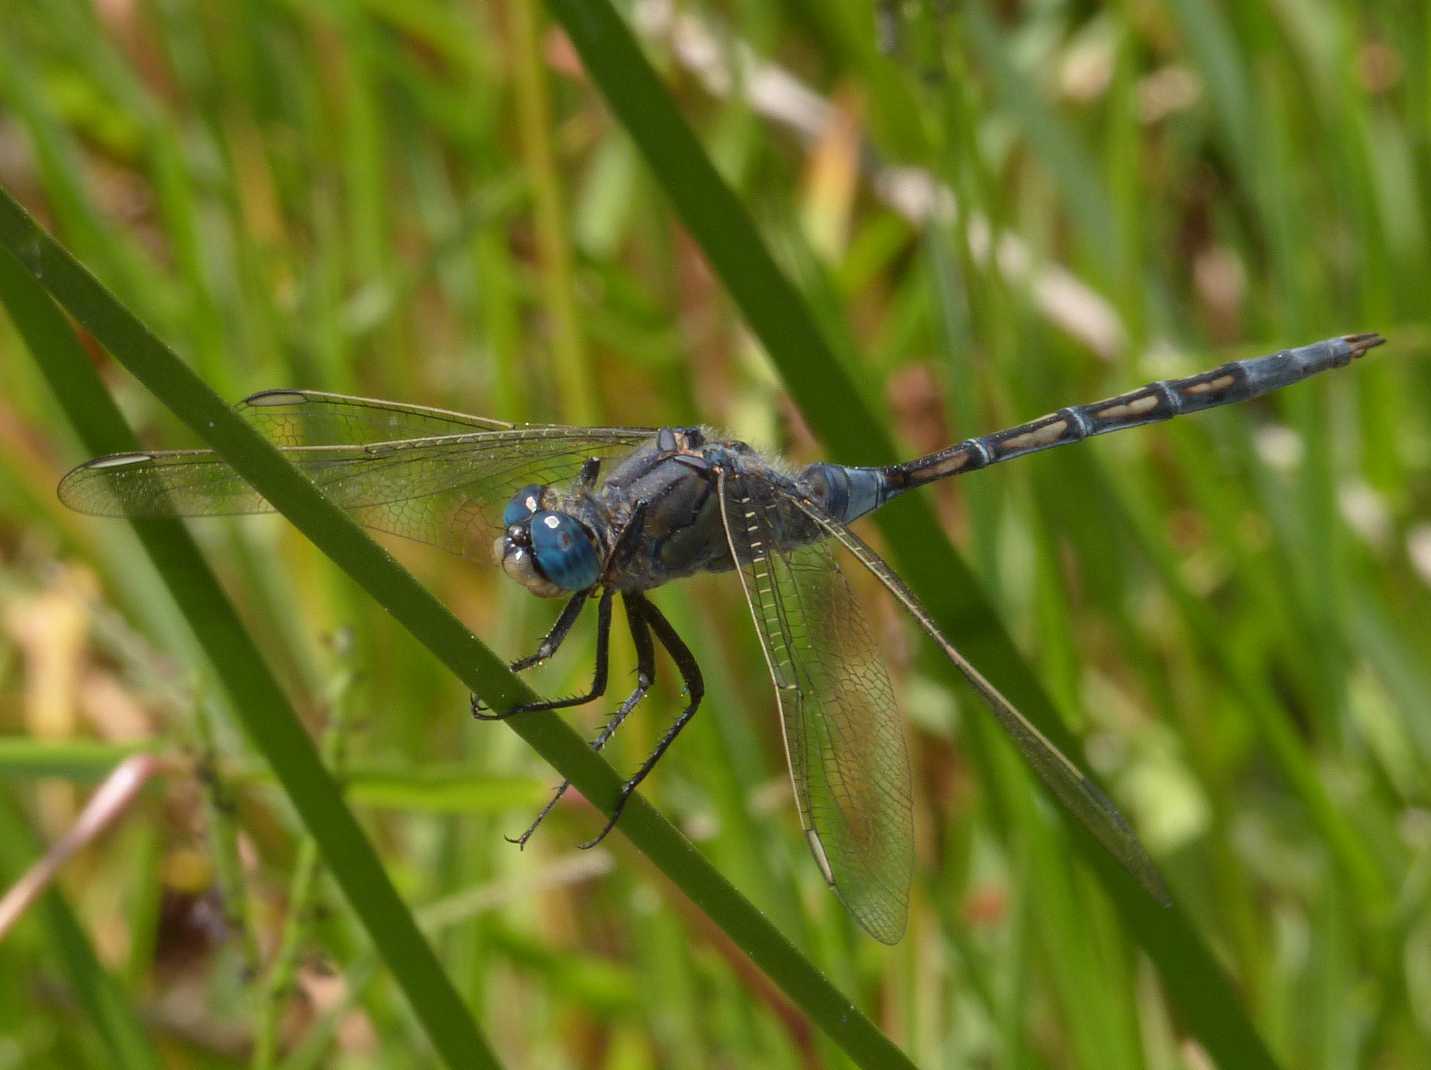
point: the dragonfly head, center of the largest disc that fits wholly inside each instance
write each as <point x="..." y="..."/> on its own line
<point x="549" y="553"/>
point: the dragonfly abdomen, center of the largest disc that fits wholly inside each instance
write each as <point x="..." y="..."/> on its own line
<point x="1238" y="380"/>
<point x="846" y="493"/>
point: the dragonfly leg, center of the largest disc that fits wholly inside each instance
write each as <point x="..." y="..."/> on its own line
<point x="645" y="675"/>
<point x="695" y="689"/>
<point x="549" y="647"/>
<point x="553" y="640"/>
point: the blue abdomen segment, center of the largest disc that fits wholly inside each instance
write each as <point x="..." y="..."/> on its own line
<point x="564" y="551"/>
<point x="846" y="493"/>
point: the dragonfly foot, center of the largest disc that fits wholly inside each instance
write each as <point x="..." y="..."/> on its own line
<point x="484" y="712"/>
<point x="610" y="821"/>
<point x="521" y="841"/>
<point x="531" y="660"/>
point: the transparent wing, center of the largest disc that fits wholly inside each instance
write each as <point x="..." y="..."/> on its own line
<point x="843" y="737"/>
<point x="448" y="491"/>
<point x="1079" y="794"/>
<point x="315" y="418"/>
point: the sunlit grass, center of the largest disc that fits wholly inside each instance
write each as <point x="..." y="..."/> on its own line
<point x="1230" y="612"/>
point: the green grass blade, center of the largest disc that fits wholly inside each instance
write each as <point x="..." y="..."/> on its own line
<point x="777" y="314"/>
<point x="104" y="1003"/>
<point x="256" y="695"/>
<point x="1051" y="139"/>
<point x="81" y="760"/>
<point x="281" y="737"/>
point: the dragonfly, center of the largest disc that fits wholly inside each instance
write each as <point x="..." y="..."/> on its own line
<point x="589" y="513"/>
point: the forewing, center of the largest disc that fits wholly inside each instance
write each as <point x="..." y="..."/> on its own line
<point x="843" y="736"/>
<point x="1068" y="783"/>
<point x="448" y="491"/>
<point x="317" y="418"/>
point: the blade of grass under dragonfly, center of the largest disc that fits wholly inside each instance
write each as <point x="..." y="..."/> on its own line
<point x="154" y="364"/>
<point x="255" y="694"/>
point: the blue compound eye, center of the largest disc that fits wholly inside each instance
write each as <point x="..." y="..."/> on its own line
<point x="523" y="504"/>
<point x="564" y="551"/>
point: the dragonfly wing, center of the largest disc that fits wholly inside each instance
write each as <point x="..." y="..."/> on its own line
<point x="1069" y="785"/>
<point x="448" y="491"/>
<point x="843" y="737"/>
<point x="316" y="418"/>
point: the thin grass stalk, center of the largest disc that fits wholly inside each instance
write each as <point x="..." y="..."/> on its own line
<point x="106" y="1006"/>
<point x="254" y="693"/>
<point x="301" y="888"/>
<point x="575" y="389"/>
<point x="221" y="806"/>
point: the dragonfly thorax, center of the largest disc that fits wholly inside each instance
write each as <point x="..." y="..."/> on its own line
<point x="549" y="552"/>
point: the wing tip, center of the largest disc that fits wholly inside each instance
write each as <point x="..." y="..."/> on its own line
<point x="273" y="397"/>
<point x="72" y="485"/>
<point x="113" y="460"/>
<point x="1122" y="842"/>
<point x="1152" y="882"/>
<point x="885" y="926"/>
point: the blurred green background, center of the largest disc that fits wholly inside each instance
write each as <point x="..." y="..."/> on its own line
<point x="993" y="210"/>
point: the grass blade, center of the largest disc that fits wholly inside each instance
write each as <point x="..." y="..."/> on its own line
<point x="256" y="696"/>
<point x="778" y="315"/>
<point x="286" y="745"/>
<point x="105" y="1005"/>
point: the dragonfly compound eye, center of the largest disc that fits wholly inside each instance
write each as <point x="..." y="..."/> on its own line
<point x="523" y="504"/>
<point x="565" y="551"/>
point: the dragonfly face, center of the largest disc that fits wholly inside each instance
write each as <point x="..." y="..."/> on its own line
<point x="550" y="553"/>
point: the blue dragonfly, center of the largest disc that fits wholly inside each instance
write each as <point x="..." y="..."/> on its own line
<point x="587" y="513"/>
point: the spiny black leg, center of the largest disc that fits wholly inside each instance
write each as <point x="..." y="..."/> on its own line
<point x="549" y="645"/>
<point x="553" y="640"/>
<point x="645" y="675"/>
<point x="695" y="688"/>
